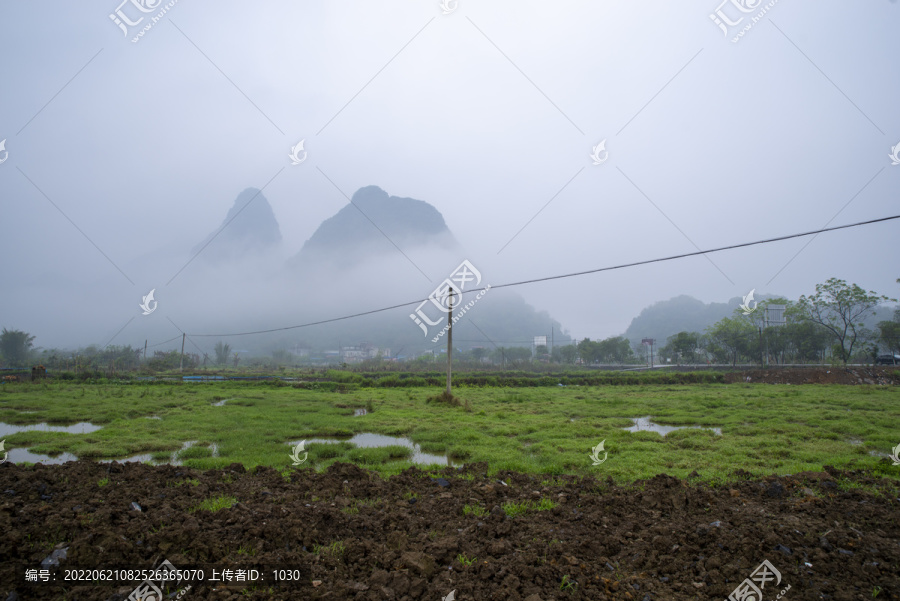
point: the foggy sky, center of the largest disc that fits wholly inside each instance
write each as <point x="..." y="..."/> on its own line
<point x="488" y="113"/>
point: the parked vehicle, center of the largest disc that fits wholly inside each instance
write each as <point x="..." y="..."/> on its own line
<point x="887" y="360"/>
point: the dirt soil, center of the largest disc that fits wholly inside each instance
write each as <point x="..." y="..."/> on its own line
<point x="659" y="539"/>
<point x="884" y="376"/>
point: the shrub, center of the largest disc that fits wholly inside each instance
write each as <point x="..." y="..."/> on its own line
<point x="444" y="397"/>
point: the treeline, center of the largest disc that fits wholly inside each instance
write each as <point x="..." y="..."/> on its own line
<point x="825" y="326"/>
<point x="17" y="351"/>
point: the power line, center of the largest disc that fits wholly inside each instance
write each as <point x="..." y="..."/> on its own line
<point x="570" y="275"/>
<point x="166" y="342"/>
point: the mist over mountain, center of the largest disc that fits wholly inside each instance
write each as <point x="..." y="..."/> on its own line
<point x="378" y="224"/>
<point x="378" y="250"/>
<point x="249" y="227"/>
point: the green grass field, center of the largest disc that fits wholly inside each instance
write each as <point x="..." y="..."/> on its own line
<point x="765" y="428"/>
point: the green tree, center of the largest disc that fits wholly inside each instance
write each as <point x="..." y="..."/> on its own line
<point x="731" y="337"/>
<point x="615" y="349"/>
<point x="15" y="346"/>
<point x="166" y="360"/>
<point x="840" y="308"/>
<point x="518" y="355"/>
<point x="589" y="351"/>
<point x="889" y="334"/>
<point x="222" y="351"/>
<point x="568" y="353"/>
<point x="683" y="346"/>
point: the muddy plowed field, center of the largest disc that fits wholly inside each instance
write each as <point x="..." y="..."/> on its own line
<point x="348" y="534"/>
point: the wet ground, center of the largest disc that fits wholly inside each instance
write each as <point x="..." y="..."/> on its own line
<point x="348" y="534"/>
<point x="645" y="424"/>
<point x="369" y="440"/>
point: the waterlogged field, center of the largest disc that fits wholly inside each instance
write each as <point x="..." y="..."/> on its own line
<point x="765" y="429"/>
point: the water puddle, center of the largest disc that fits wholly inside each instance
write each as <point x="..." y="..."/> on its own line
<point x="133" y="459"/>
<point x="22" y="455"/>
<point x="643" y="424"/>
<point x="880" y="454"/>
<point x="367" y="440"/>
<point x="358" y="412"/>
<point x="221" y="403"/>
<point x="79" y="428"/>
<point x="175" y="459"/>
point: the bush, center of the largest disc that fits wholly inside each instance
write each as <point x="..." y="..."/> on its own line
<point x="336" y="375"/>
<point x="444" y="397"/>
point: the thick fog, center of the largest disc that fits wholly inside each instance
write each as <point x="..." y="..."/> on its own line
<point x="127" y="145"/>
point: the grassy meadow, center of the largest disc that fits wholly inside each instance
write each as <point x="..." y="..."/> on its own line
<point x="551" y="430"/>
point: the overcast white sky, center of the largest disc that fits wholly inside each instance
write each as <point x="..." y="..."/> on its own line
<point x="487" y="113"/>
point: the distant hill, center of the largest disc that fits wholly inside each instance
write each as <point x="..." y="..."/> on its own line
<point x="378" y="250"/>
<point x="687" y="314"/>
<point x="249" y="227"/>
<point x="376" y="223"/>
<point x="682" y="313"/>
<point x="500" y="318"/>
<point x="361" y="241"/>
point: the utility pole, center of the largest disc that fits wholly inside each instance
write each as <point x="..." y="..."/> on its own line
<point x="145" y="350"/>
<point x="183" y="336"/>
<point x="449" y="340"/>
